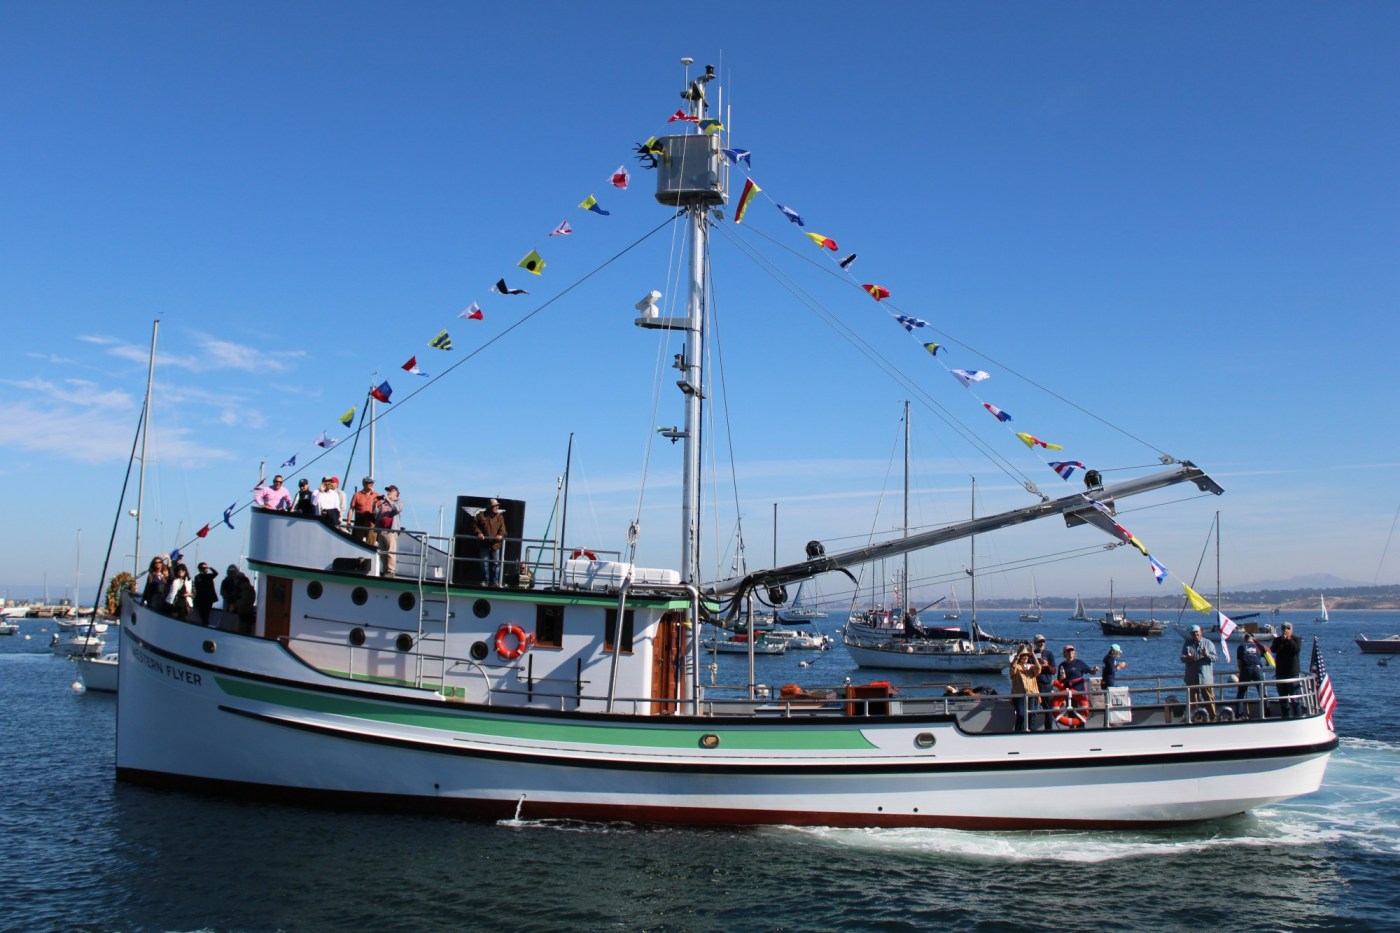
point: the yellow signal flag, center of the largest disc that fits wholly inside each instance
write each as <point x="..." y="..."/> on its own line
<point x="533" y="263"/>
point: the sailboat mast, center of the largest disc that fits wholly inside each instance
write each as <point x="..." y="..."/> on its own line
<point x="904" y="571"/>
<point x="972" y="572"/>
<point x="145" y="431"/>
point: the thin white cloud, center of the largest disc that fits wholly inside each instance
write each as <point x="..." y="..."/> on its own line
<point x="53" y="358"/>
<point x="92" y="435"/>
<point x="78" y="392"/>
<point x="224" y="354"/>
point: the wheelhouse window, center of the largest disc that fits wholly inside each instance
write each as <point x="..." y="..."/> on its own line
<point x="611" y="626"/>
<point x="549" y="626"/>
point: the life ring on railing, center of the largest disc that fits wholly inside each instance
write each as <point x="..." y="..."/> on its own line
<point x="523" y="642"/>
<point x="583" y="552"/>
<point x="1075" y="706"/>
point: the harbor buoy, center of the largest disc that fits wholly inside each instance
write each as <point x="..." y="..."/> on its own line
<point x="78" y="687"/>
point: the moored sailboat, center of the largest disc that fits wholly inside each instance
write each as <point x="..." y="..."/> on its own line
<point x="581" y="696"/>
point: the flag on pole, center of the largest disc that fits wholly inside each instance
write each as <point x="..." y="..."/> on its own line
<point x="997" y="412"/>
<point x="472" y="313"/>
<point x="909" y="323"/>
<point x="745" y="199"/>
<point x="1197" y="601"/>
<point x="289" y="462"/>
<point x="590" y="203"/>
<point x="348" y="417"/>
<point x="228" y="514"/>
<point x="681" y="115"/>
<point x="533" y="263"/>
<point x="203" y="532"/>
<point x="1326" y="699"/>
<point x="382" y="392"/>
<point x="620" y="177"/>
<point x="1066" y="468"/>
<point x="735" y="156"/>
<point x="500" y="288"/>
<point x="825" y="242"/>
<point x="968" y="376"/>
<point x="792" y="215"/>
<point x="710" y="127"/>
<point x="442" y="341"/>
<point x="878" y="292"/>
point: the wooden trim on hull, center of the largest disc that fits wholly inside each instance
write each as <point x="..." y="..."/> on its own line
<point x="495" y="810"/>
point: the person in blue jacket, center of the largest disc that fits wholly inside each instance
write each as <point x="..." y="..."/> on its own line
<point x="1250" y="670"/>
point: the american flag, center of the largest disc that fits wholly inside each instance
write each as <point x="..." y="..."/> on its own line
<point x="1325" y="697"/>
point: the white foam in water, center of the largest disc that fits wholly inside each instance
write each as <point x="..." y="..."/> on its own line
<point x="1359" y="804"/>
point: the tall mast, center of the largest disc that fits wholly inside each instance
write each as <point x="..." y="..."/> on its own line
<point x="972" y="572"/>
<point x="904" y="571"/>
<point x="145" y="431"/>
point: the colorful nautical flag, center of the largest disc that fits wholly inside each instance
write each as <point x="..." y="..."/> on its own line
<point x="711" y="126"/>
<point x="1197" y="601"/>
<point x="348" y="417"/>
<point x="326" y="441"/>
<point x="933" y="348"/>
<point x="1133" y="540"/>
<point x="472" y="313"/>
<point x="1030" y="440"/>
<point x="997" y="412"/>
<point x="590" y="203"/>
<point x="825" y="242"/>
<point x="1066" y="468"/>
<point x="735" y="156"/>
<point x="228" y="515"/>
<point x="563" y="229"/>
<point x="846" y="263"/>
<point x="533" y="263"/>
<point x="878" y="292"/>
<point x="1158" y="570"/>
<point x="382" y="392"/>
<point x="968" y="376"/>
<point x="745" y="199"/>
<point x="1227" y="625"/>
<point x="681" y="115"/>
<point x="620" y="177"/>
<point x="909" y="323"/>
<point x="1325" y="697"/>
<point x="412" y="366"/>
<point x="175" y="556"/>
<point x="792" y="215"/>
<point x="442" y="341"/>
<point x="203" y="532"/>
<point x="289" y="462"/>
<point x="500" y="288"/>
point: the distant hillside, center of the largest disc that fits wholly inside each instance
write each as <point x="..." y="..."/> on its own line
<point x="1296" y="598"/>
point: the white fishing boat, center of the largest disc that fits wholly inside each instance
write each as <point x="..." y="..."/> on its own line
<point x="581" y="696"/>
<point x="739" y="644"/>
<point x="77" y="645"/>
<point x="99" y="673"/>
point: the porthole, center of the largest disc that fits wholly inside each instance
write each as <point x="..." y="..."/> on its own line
<point x="709" y="740"/>
<point x="481" y="608"/>
<point x="210" y="647"/>
<point x="403" y="642"/>
<point x="133" y="618"/>
<point x="359" y="596"/>
<point x="407" y="602"/>
<point x="314" y="589"/>
<point x="479" y="651"/>
<point x="924" y="740"/>
<point x="357" y="637"/>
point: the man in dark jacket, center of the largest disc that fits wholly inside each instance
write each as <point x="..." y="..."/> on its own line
<point x="1046" y="659"/>
<point x="1251" y="671"/>
<point x="491" y="531"/>
<point x="1287" y="649"/>
<point x="205" y="596"/>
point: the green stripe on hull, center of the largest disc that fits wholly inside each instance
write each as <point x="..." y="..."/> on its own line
<point x="815" y="739"/>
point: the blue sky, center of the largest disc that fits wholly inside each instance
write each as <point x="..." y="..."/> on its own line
<point x="1180" y="217"/>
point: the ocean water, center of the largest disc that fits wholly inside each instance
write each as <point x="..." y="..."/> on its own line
<point x="81" y="852"/>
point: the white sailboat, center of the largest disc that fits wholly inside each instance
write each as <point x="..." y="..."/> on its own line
<point x="1033" y="613"/>
<point x="583" y="697"/>
<point x="1321" y="609"/>
<point x="1080" y="614"/>
<point x="954" y="612"/>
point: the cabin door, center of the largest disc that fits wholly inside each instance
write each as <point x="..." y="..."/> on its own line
<point x="669" y="664"/>
<point x="277" y="614"/>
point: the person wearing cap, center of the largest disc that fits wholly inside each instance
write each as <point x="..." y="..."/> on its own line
<point x="328" y="503"/>
<point x="386" y="523"/>
<point x="1025" y="670"/>
<point x="304" y="502"/>
<point x="1198" y="655"/>
<point x="1250" y="670"/>
<point x="1112" y="664"/>
<point x="491" y="530"/>
<point x="362" y="510"/>
<point x="1073" y="671"/>
<point x="1287" y="649"/>
<point x="229" y="588"/>
<point x="205" y="596"/>
<point x="1045" y="679"/>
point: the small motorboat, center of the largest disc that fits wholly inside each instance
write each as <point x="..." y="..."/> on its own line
<point x="1387" y="645"/>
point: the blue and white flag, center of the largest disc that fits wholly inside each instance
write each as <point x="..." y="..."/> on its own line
<point x="289" y="462"/>
<point x="228" y="513"/>
<point x="792" y="215"/>
<point x="1158" y="570"/>
<point x="968" y="376"/>
<point x="735" y="156"/>
<point x="909" y="323"/>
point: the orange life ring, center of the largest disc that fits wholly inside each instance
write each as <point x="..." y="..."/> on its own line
<point x="583" y="552"/>
<point x="523" y="642"/>
<point x="1073" y="704"/>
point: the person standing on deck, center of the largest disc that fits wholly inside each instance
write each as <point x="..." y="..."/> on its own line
<point x="386" y="522"/>
<point x="1044" y="680"/>
<point x="362" y="510"/>
<point x="1287" y="649"/>
<point x="205" y="596"/>
<point x="1025" y="671"/>
<point x="1112" y="665"/>
<point x="1198" y="654"/>
<point x="491" y="529"/>
<point x="1251" y="671"/>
